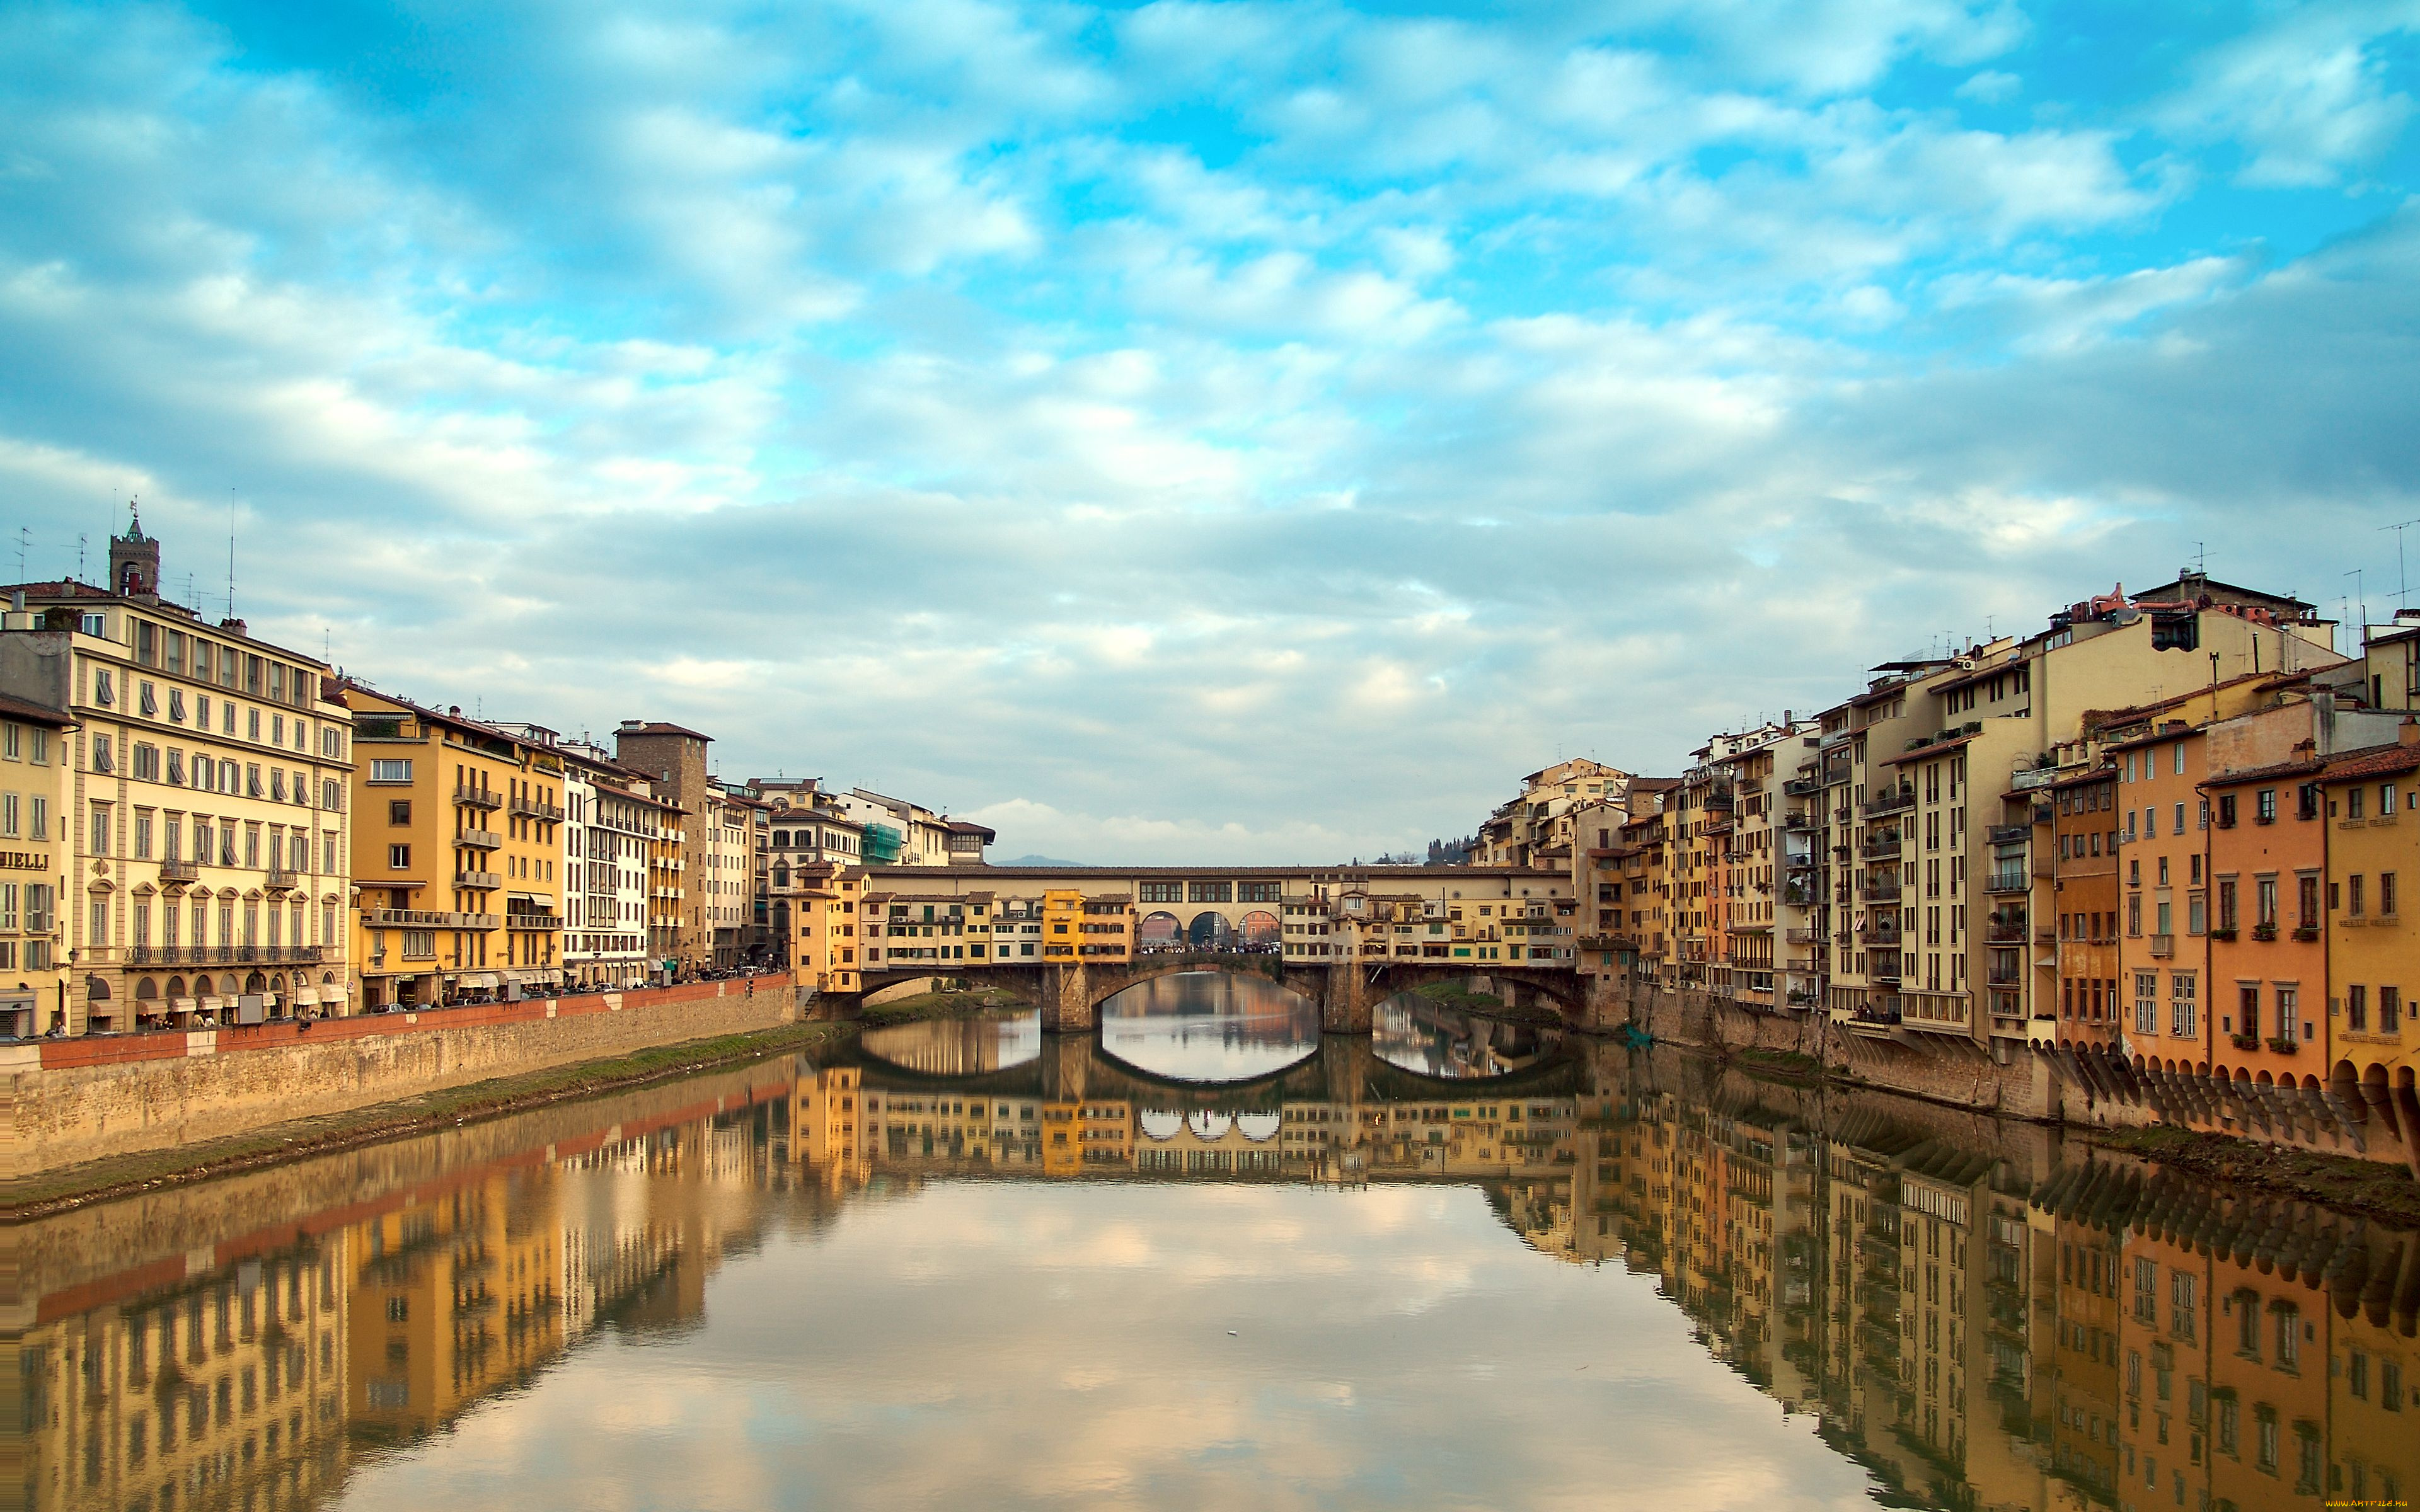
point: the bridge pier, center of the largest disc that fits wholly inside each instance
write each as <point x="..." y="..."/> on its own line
<point x="1345" y="1000"/>
<point x="1066" y="999"/>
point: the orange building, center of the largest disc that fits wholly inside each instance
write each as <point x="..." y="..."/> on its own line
<point x="2267" y="860"/>
<point x="2085" y="896"/>
<point x="2164" y="944"/>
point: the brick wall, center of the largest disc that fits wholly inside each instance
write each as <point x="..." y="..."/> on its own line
<point x="72" y="1100"/>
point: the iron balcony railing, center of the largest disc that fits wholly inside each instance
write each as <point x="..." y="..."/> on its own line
<point x="478" y="798"/>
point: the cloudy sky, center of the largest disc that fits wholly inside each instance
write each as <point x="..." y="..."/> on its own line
<point x="1192" y="430"/>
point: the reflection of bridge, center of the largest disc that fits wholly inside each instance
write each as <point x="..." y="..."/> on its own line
<point x="1341" y="1069"/>
<point x="1344" y="938"/>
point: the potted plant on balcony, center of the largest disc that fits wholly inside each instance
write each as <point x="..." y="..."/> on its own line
<point x="2264" y="931"/>
<point x="2307" y="933"/>
<point x="2282" y="1046"/>
<point x="2246" y="1041"/>
<point x="2225" y="932"/>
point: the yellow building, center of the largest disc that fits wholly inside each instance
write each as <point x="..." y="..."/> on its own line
<point x="33" y="862"/>
<point x="1076" y="927"/>
<point x="2373" y="855"/>
<point x="204" y="809"/>
<point x="826" y="913"/>
<point x="456" y="854"/>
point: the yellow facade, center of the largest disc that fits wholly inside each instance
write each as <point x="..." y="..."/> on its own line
<point x="457" y="855"/>
<point x="2373" y="855"/>
<point x="34" y="862"/>
<point x="826" y="916"/>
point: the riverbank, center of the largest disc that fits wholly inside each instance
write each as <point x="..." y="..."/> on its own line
<point x="2366" y="1187"/>
<point x="54" y="1192"/>
<point x="941" y="1006"/>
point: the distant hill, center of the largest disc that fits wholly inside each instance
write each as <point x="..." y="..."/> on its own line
<point x="1037" y="860"/>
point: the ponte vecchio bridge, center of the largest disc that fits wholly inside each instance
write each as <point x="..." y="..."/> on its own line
<point x="1347" y="937"/>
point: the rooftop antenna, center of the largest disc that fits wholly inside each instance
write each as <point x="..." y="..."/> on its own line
<point x="81" y="538"/>
<point x="231" y="613"/>
<point x="2201" y="558"/>
<point x="2362" y="599"/>
<point x="24" y="539"/>
<point x="2402" y="583"/>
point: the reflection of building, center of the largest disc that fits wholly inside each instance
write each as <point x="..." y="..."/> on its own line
<point x="452" y="1300"/>
<point x="226" y="1390"/>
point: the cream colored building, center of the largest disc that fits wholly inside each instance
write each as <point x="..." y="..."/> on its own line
<point x="206" y="809"/>
<point x="34" y="858"/>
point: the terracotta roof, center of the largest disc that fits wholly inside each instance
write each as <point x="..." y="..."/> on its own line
<point x="42" y="714"/>
<point x="2386" y="761"/>
<point x="1935" y="749"/>
<point x="2264" y="774"/>
<point x="659" y="727"/>
<point x="2082" y="778"/>
<point x="963" y="826"/>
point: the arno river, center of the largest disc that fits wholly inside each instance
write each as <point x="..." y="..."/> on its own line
<point x="1210" y="1260"/>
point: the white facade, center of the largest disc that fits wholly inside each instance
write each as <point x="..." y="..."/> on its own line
<point x="610" y="820"/>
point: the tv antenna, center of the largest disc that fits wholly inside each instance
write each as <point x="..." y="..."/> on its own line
<point x="2402" y="583"/>
<point x="2201" y="558"/>
<point x="230" y="612"/>
<point x="2362" y="599"/>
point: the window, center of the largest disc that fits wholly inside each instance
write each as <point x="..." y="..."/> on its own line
<point x="2287" y="999"/>
<point x="93" y="625"/>
<point x="102" y="761"/>
<point x="2247" y="1007"/>
<point x="2182" y="1017"/>
<point x="2147" y="1003"/>
<point x="142" y="834"/>
<point x="100" y="829"/>
<point x="2356" y="1004"/>
<point x="2390" y="1009"/>
<point x="2264" y="807"/>
<point x="2306" y="900"/>
<point x="147" y="763"/>
<point x="398" y="858"/>
<point x="332" y="794"/>
<point x="38" y="818"/>
<point x="2386" y="895"/>
<point x="2265" y="899"/>
<point x="391" y="770"/>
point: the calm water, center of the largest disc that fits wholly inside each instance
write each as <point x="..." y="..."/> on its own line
<point x="967" y="1265"/>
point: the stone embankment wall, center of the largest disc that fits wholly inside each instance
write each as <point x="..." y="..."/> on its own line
<point x="72" y="1100"/>
<point x="2086" y="1089"/>
<point x="71" y="1261"/>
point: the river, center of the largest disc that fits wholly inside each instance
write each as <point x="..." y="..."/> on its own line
<point x="1211" y="1260"/>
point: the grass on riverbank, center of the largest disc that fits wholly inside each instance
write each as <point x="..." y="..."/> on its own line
<point x="97" y="1180"/>
<point x="1781" y="1065"/>
<point x="940" y="1006"/>
<point x="2374" y="1188"/>
<point x="1487" y="1005"/>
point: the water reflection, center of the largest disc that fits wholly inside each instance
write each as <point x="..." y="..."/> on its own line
<point x="1968" y="1315"/>
<point x="1413" y="1032"/>
<point x="959" y="1048"/>
<point x="1209" y="1027"/>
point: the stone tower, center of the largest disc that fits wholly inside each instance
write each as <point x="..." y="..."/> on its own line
<point x="134" y="561"/>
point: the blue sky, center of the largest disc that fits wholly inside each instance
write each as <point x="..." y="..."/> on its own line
<point x="1202" y="431"/>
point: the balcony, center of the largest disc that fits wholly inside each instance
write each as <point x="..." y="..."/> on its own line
<point x="471" y="798"/>
<point x="1798" y="824"/>
<point x="2008" y="879"/>
<point x="174" y="873"/>
<point x="1885" y="968"/>
<point x="1891" y="803"/>
<point x="282" y="879"/>
<point x="1881" y="934"/>
<point x="2162" y="946"/>
<point x="532" y="809"/>
<point x="477" y="879"/>
<point x="2006" y="931"/>
<point x="481" y="839"/>
<point x="1804" y="936"/>
<point x="1800" y="786"/>
<point x="425" y="919"/>
<point x="1882" y="848"/>
<point x="1879" y="891"/>
<point x="2011" y="834"/>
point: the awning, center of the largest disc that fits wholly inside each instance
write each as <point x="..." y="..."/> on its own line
<point x="475" y="979"/>
<point x="182" y="1005"/>
<point x="212" y="1005"/>
<point x="305" y="994"/>
<point x="543" y="899"/>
